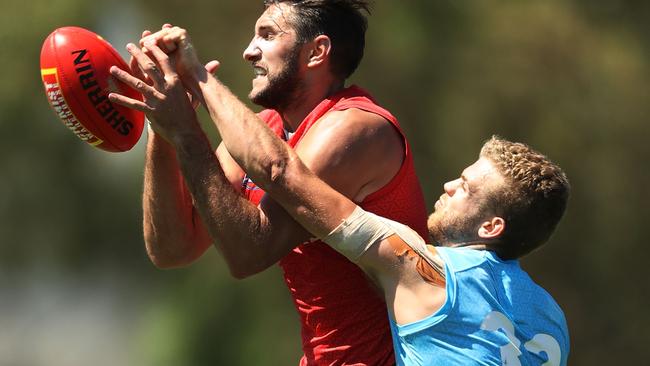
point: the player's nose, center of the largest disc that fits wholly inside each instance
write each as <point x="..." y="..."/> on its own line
<point x="450" y="187"/>
<point x="252" y="52"/>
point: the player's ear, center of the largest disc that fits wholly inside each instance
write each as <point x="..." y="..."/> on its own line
<point x="319" y="50"/>
<point x="492" y="229"/>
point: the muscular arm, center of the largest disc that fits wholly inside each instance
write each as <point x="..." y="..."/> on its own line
<point x="318" y="207"/>
<point x="173" y="232"/>
<point x="178" y="228"/>
<point x="173" y="229"/>
<point x="339" y="152"/>
<point x="343" y="151"/>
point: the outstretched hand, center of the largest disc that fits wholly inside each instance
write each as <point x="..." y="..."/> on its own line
<point x="165" y="103"/>
<point x="176" y="43"/>
<point x="158" y="68"/>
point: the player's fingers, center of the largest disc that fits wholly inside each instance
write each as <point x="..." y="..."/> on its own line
<point x="152" y="37"/>
<point x="212" y="66"/>
<point x="146" y="33"/>
<point x="135" y="83"/>
<point x="158" y="38"/>
<point x="162" y="59"/>
<point x="171" y="40"/>
<point x="129" y="102"/>
<point x="147" y="65"/>
<point x="174" y="38"/>
<point x="135" y="69"/>
<point x="168" y="44"/>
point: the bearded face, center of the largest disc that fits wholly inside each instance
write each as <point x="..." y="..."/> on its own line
<point x="463" y="207"/>
<point x="274" y="53"/>
<point x="449" y="229"/>
<point x="282" y="85"/>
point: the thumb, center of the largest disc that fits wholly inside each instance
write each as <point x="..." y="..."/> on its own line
<point x="212" y="66"/>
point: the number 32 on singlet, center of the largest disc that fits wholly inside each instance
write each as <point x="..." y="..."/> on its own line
<point x="510" y="353"/>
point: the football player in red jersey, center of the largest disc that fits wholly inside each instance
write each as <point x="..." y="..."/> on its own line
<point x="301" y="54"/>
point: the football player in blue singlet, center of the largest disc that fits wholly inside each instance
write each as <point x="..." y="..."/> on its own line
<point x="465" y="301"/>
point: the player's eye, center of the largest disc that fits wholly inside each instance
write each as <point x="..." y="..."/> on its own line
<point x="268" y="36"/>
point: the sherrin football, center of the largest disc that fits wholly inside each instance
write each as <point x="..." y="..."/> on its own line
<point x="75" y="65"/>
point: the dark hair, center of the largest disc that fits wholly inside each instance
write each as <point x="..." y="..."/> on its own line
<point x="533" y="199"/>
<point x="342" y="21"/>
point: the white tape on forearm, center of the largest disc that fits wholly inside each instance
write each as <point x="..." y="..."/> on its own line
<point x="413" y="240"/>
<point x="356" y="234"/>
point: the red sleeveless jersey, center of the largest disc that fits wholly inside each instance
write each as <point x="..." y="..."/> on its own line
<point x="343" y="316"/>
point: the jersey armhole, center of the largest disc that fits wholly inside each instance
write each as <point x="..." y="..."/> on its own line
<point x="407" y="163"/>
<point x="442" y="313"/>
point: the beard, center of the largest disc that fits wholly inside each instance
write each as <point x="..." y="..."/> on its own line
<point x="452" y="230"/>
<point x="282" y="88"/>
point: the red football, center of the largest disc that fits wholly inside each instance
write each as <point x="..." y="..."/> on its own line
<point x="75" y="67"/>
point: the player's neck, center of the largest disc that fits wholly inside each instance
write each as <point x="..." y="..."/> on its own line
<point x="295" y="113"/>
<point x="474" y="244"/>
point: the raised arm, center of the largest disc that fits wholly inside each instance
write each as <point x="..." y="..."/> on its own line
<point x="393" y="254"/>
<point x="174" y="235"/>
<point x="269" y="161"/>
<point x="249" y="237"/>
<point x="173" y="232"/>
<point x="183" y="174"/>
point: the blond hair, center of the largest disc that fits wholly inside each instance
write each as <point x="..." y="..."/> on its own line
<point x="533" y="199"/>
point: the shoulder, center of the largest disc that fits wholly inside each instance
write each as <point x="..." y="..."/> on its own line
<point x="364" y="102"/>
<point x="342" y="148"/>
<point x="354" y="125"/>
<point x="354" y="117"/>
<point x="354" y="137"/>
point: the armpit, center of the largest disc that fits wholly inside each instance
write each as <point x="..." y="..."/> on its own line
<point x="430" y="269"/>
